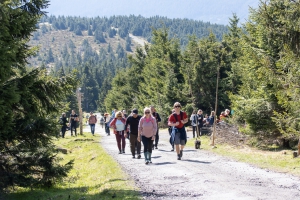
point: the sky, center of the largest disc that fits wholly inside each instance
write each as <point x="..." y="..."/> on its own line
<point x="214" y="11"/>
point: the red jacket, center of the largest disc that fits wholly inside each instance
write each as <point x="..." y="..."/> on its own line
<point x="113" y="124"/>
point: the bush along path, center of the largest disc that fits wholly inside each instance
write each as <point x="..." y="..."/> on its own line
<point x="199" y="175"/>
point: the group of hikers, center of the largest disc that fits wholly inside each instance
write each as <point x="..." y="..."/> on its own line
<point x="144" y="128"/>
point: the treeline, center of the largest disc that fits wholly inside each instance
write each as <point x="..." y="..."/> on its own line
<point x="97" y="60"/>
<point x="136" y="25"/>
<point x="257" y="68"/>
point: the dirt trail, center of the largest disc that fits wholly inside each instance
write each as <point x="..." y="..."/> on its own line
<point x="200" y="175"/>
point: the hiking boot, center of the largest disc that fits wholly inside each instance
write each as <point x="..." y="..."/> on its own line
<point x="133" y="156"/>
<point x="120" y="152"/>
<point x="123" y="150"/>
<point x="181" y="153"/>
<point x="178" y="157"/>
<point x="147" y="162"/>
<point x="139" y="156"/>
<point x="155" y="147"/>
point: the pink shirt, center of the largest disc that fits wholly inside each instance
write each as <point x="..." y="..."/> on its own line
<point x="148" y="128"/>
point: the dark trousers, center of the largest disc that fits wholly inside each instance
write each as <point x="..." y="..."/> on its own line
<point x="135" y="143"/>
<point x="194" y="131"/>
<point x="63" y="131"/>
<point x="120" y="138"/>
<point x="92" y="128"/>
<point x="107" y="130"/>
<point x="73" y="126"/>
<point x="199" y="128"/>
<point x="147" y="142"/>
<point x="156" y="138"/>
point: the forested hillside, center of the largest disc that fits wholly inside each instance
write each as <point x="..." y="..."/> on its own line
<point x="98" y="47"/>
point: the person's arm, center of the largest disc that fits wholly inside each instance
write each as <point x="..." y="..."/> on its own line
<point x="126" y="124"/>
<point x="171" y="121"/>
<point x="158" y="118"/>
<point x="154" y="129"/>
<point x="185" y="118"/>
<point x="140" y="129"/>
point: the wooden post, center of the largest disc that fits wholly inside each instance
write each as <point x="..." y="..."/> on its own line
<point x="216" y="106"/>
<point x="80" y="110"/>
<point x="299" y="147"/>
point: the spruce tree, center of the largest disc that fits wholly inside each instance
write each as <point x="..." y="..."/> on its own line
<point x="29" y="101"/>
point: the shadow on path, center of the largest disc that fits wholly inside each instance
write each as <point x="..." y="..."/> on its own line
<point x="196" y="161"/>
<point x="164" y="163"/>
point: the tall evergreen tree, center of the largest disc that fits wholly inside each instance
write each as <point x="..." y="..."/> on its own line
<point x="29" y="99"/>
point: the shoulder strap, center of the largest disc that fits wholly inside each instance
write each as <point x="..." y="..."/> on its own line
<point x="181" y="115"/>
<point x="175" y="116"/>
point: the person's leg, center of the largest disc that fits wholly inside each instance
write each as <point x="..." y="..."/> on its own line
<point x="144" y="140"/>
<point x="156" y="139"/>
<point x="63" y="131"/>
<point x="194" y="130"/>
<point x="132" y="143"/>
<point x="118" y="139"/>
<point x="150" y="150"/>
<point x="93" y="132"/>
<point x="123" y="142"/>
<point x="138" y="148"/>
<point x="72" y="127"/>
<point x="75" y="127"/>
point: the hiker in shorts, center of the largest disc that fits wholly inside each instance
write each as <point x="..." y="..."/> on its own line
<point x="133" y="122"/>
<point x="177" y="121"/>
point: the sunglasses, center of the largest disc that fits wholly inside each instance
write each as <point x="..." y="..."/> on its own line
<point x="147" y="112"/>
<point x="119" y="116"/>
<point x="177" y="106"/>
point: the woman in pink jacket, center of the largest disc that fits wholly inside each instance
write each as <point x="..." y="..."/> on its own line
<point x="118" y="124"/>
<point x="147" y="129"/>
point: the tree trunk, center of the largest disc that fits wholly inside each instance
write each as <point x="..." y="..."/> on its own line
<point x="299" y="147"/>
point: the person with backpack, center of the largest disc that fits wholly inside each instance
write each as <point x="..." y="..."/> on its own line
<point x="193" y="119"/>
<point x="133" y="122"/>
<point x="158" y="119"/>
<point x="73" y="122"/>
<point x="177" y="121"/>
<point x="118" y="124"/>
<point x="92" y="122"/>
<point x="63" y="122"/>
<point x="147" y="129"/>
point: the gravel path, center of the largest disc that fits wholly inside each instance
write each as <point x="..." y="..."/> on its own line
<point x="200" y="175"/>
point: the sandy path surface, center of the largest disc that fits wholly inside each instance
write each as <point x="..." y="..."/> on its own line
<point x="199" y="175"/>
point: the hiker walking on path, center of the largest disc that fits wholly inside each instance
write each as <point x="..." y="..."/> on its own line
<point x="147" y="129"/>
<point x="158" y="119"/>
<point x="118" y="124"/>
<point x="63" y="122"/>
<point x="193" y="119"/>
<point x="133" y="122"/>
<point x="106" y="122"/>
<point x="177" y="120"/>
<point x="92" y="122"/>
<point x="73" y="122"/>
<point x="200" y="122"/>
<point x="170" y="128"/>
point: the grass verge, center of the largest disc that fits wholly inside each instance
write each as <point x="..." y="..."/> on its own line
<point x="277" y="160"/>
<point x="96" y="175"/>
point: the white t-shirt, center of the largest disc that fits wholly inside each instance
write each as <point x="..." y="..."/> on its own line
<point x="120" y="126"/>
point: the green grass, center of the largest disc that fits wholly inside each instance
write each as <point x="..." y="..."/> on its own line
<point x="95" y="175"/>
<point x="280" y="161"/>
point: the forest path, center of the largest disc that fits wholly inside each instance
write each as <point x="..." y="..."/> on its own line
<point x="199" y="175"/>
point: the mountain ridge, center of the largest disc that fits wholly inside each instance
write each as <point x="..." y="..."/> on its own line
<point x="213" y="11"/>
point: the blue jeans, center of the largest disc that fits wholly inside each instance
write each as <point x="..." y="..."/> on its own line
<point x="92" y="128"/>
